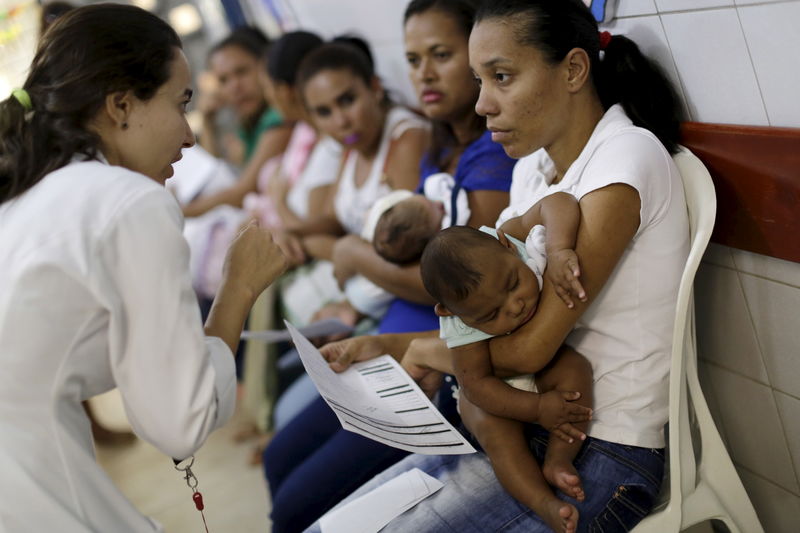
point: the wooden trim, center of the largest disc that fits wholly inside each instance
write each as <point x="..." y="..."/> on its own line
<point x="756" y="171"/>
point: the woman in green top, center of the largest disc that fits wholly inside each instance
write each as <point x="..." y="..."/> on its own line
<point x="236" y="63"/>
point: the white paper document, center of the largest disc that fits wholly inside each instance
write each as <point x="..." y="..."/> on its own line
<point x="372" y="511"/>
<point x="379" y="400"/>
<point x="321" y="328"/>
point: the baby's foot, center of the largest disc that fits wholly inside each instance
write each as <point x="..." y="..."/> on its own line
<point x="563" y="476"/>
<point x="561" y="516"/>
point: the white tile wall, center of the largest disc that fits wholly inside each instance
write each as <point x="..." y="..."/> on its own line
<point x="711" y="56"/>
<point x="777" y="509"/>
<point x="774" y="308"/>
<point x="752" y="2"/>
<point x="634" y="8"/>
<point x="755" y="434"/>
<point x="789" y="410"/>
<point x="390" y="63"/>
<point x="686" y="5"/>
<point x="725" y="334"/>
<point x="767" y="267"/>
<point x="773" y="39"/>
<point x="380" y="22"/>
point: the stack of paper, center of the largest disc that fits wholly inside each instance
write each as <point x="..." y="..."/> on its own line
<point x="379" y="400"/>
<point x="372" y="511"/>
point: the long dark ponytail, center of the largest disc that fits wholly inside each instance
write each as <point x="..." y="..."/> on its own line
<point x="87" y="54"/>
<point x="623" y="75"/>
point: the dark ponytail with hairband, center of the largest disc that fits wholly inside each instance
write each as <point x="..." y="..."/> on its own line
<point x="89" y="53"/>
<point x="621" y="75"/>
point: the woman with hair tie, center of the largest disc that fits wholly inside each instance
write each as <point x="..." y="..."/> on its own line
<point x="95" y="271"/>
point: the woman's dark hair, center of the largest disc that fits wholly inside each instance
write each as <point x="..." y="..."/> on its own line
<point x="336" y="56"/>
<point x="624" y="75"/>
<point x="286" y="54"/>
<point x="443" y="139"/>
<point x="50" y="12"/>
<point x="248" y="38"/>
<point x="87" y="54"/>
<point x="358" y="42"/>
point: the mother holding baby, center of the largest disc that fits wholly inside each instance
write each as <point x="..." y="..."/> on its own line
<point x="593" y="117"/>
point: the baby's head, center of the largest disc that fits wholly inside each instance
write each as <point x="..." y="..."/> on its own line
<point x="474" y="276"/>
<point x="404" y="229"/>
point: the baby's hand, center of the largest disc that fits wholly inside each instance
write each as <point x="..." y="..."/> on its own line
<point x="563" y="270"/>
<point x="557" y="412"/>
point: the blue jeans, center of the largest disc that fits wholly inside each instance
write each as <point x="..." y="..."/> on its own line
<point x="621" y="485"/>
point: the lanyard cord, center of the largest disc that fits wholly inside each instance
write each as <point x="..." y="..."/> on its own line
<point x="191" y="481"/>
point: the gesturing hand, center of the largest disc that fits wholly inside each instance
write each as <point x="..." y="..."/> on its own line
<point x="558" y="410"/>
<point x="253" y="259"/>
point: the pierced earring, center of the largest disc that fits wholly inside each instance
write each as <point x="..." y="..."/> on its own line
<point x="124" y="125"/>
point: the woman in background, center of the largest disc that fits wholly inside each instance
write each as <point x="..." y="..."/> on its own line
<point x="236" y="63"/>
<point x="601" y="128"/>
<point x="313" y="463"/>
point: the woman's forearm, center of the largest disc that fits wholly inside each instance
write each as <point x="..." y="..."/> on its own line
<point x="233" y="196"/>
<point x="228" y="313"/>
<point x="397" y="344"/>
<point x="287" y="216"/>
<point x="402" y="281"/>
<point x="319" y="246"/>
<point x="321" y="224"/>
<point x="609" y="218"/>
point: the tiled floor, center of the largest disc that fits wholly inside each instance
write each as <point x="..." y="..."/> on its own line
<point x="234" y="492"/>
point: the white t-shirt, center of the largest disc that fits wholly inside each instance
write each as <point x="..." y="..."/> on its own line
<point x="96" y="295"/>
<point x="352" y="202"/>
<point x="626" y="333"/>
<point x="320" y="169"/>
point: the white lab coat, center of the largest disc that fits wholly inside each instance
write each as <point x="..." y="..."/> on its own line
<point x="95" y="293"/>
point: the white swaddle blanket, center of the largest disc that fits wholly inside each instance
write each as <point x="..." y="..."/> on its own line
<point x="365" y="296"/>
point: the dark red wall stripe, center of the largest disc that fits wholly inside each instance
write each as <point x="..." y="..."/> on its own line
<point x="756" y="171"/>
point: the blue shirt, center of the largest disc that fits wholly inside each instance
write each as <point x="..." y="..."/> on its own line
<point x="484" y="166"/>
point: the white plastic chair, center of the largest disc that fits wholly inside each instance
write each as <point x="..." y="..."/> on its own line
<point x="702" y="482"/>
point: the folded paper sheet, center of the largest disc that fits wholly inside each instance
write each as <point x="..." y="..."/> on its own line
<point x="372" y="511"/>
<point x="379" y="400"/>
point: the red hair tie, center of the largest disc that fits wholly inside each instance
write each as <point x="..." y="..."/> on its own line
<point x="605" y="38"/>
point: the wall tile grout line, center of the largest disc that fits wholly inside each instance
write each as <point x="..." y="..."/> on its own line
<point x="740" y="374"/>
<point x="795" y="466"/>
<point x="761" y="477"/>
<point x="767" y="369"/>
<point x="748" y="273"/>
<point x="753" y="65"/>
<point x="684" y="92"/>
<point x="749" y="378"/>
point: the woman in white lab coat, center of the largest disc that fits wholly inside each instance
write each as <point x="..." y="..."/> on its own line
<point x="95" y="283"/>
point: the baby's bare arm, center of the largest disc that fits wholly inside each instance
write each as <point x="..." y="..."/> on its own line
<point x="558" y="212"/>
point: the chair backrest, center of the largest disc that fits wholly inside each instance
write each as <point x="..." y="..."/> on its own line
<point x="701" y="203"/>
